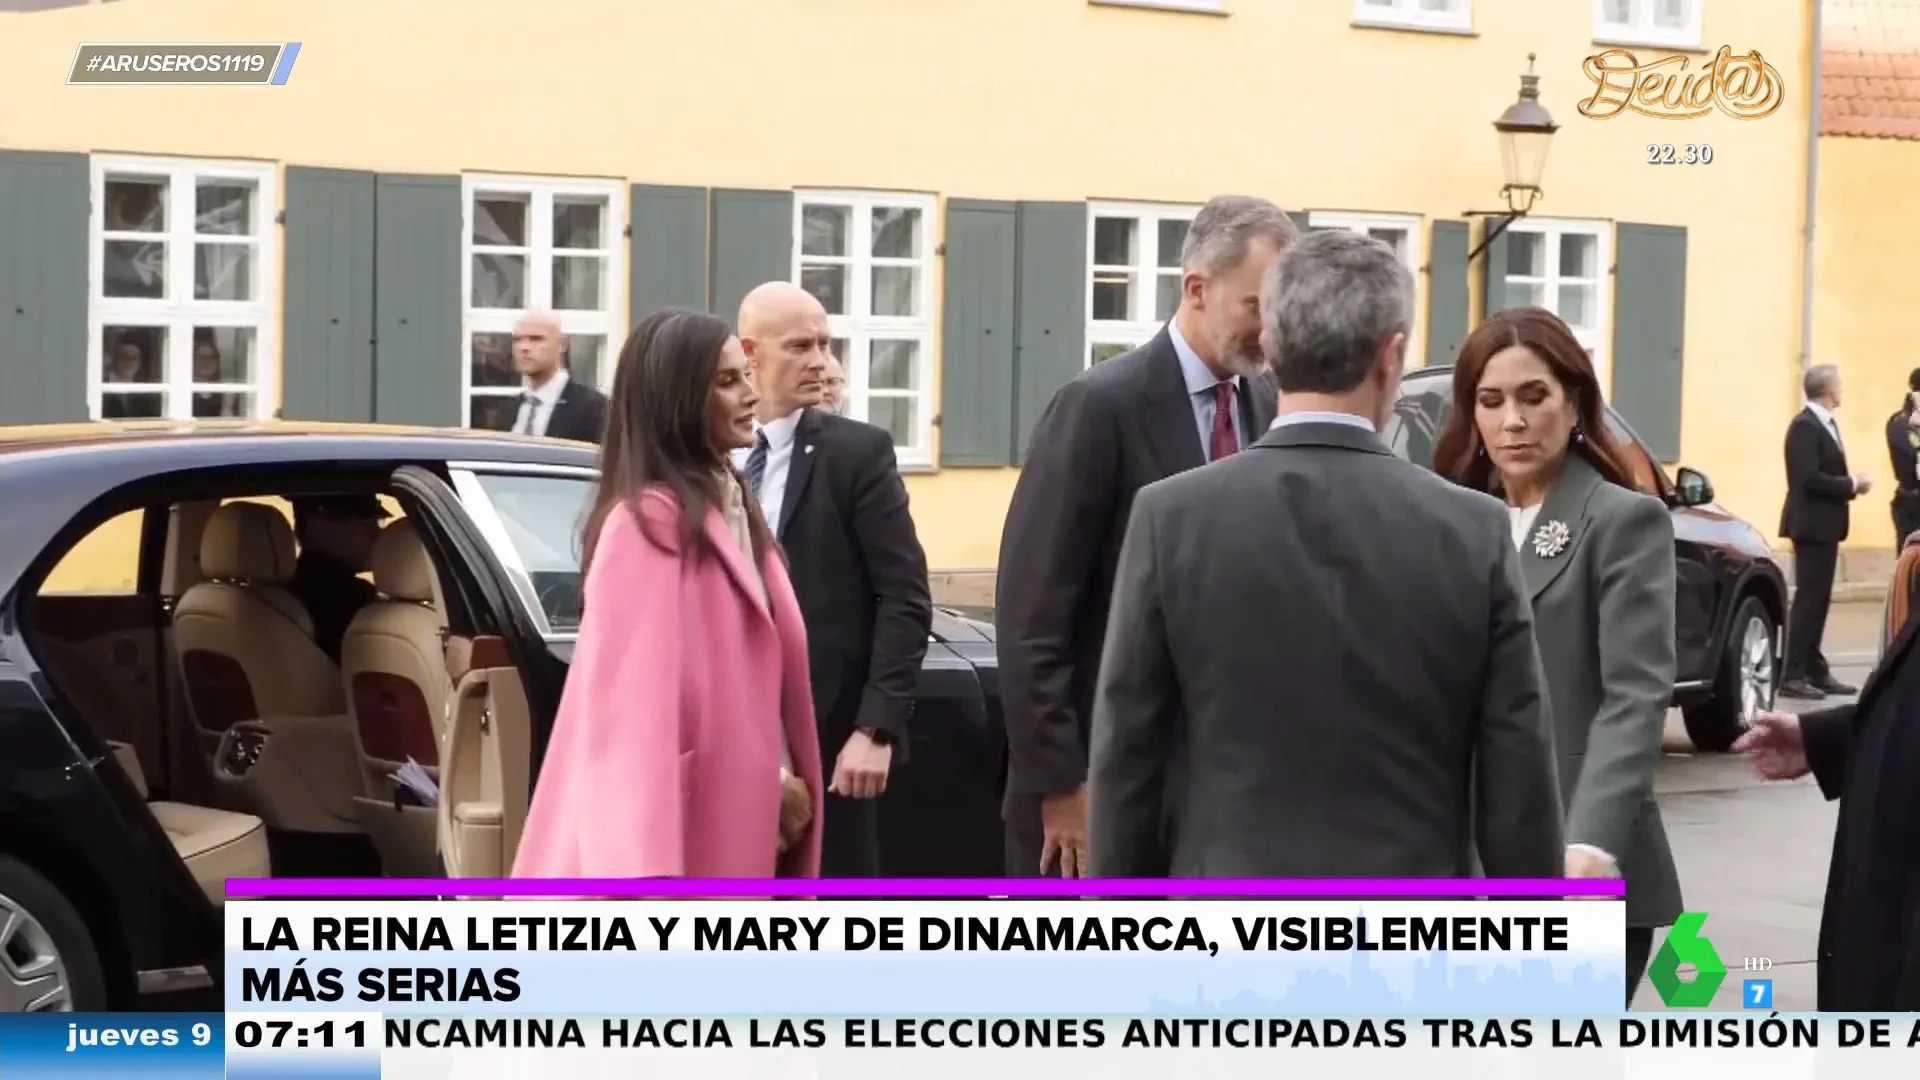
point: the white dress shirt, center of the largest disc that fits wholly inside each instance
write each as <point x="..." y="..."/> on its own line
<point x="534" y="415"/>
<point x="773" y="482"/>
<point x="1825" y="416"/>
<point x="1201" y="382"/>
<point x="1354" y="420"/>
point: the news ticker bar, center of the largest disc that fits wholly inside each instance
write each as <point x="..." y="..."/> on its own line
<point x="177" y="65"/>
<point x="932" y="888"/>
<point x="475" y="1046"/>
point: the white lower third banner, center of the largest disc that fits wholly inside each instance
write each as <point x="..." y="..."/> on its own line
<point x="712" y="990"/>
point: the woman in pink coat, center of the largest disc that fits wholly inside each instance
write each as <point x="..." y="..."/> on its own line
<point x="684" y="745"/>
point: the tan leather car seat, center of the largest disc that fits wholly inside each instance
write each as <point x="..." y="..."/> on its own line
<point x="393" y="660"/>
<point x="246" y="643"/>
<point x="215" y="844"/>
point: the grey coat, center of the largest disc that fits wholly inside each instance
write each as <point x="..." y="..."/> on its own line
<point x="1320" y="664"/>
<point x="1603" y="617"/>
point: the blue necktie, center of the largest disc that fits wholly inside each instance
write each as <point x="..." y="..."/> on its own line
<point x="757" y="464"/>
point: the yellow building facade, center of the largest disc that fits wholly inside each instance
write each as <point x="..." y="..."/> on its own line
<point x="988" y="192"/>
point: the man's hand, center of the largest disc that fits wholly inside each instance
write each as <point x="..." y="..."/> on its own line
<point x="1588" y="862"/>
<point x="796" y="809"/>
<point x="860" y="772"/>
<point x="1063" y="830"/>
<point x="1774" y="746"/>
<point x="1862" y="485"/>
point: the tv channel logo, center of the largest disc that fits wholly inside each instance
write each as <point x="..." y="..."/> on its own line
<point x="1685" y="944"/>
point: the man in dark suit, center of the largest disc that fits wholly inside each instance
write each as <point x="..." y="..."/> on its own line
<point x="553" y="404"/>
<point x="336" y="535"/>
<point x="1815" y="518"/>
<point x="1197" y="392"/>
<point x="1320" y="661"/>
<point x="831" y="492"/>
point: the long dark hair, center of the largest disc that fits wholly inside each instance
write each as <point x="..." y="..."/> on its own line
<point x="660" y="433"/>
<point x="1458" y="454"/>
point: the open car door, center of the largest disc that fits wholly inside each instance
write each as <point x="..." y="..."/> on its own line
<point x="505" y="687"/>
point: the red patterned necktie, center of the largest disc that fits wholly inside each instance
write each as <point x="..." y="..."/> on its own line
<point x="1224" y="443"/>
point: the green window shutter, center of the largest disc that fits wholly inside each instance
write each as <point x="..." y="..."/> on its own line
<point x="418" y="351"/>
<point x="976" y="351"/>
<point x="667" y="253"/>
<point x="1649" y="331"/>
<point x="1302" y="220"/>
<point x="749" y="242"/>
<point x="1050" y="308"/>
<point x="1446" y="291"/>
<point x="1493" y="270"/>
<point x="44" y="240"/>
<point x="327" y="360"/>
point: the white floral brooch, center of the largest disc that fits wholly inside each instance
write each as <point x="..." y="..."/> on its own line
<point x="1551" y="539"/>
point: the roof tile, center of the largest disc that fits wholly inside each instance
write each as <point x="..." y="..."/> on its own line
<point x="1871" y="62"/>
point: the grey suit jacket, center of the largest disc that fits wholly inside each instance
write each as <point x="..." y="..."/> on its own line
<point x="1603" y="615"/>
<point x="1320" y="663"/>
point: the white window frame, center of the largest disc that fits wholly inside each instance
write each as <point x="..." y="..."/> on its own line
<point x="180" y="314"/>
<point x="1409" y="15"/>
<point x="860" y="330"/>
<point x="1202" y="7"/>
<point x="1140" y="329"/>
<point x="1415" y="227"/>
<point x="541" y="191"/>
<point x="1598" y="337"/>
<point x="1640" y="29"/>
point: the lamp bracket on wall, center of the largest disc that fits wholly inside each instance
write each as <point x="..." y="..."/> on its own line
<point x="1519" y="203"/>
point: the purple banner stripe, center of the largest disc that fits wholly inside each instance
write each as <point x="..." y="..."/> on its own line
<point x="912" y="888"/>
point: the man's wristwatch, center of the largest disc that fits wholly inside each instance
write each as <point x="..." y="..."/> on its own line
<point x="879" y="736"/>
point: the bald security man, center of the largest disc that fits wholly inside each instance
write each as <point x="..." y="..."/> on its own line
<point x="553" y="404"/>
<point x="830" y="489"/>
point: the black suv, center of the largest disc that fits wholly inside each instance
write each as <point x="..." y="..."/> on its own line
<point x="1732" y="598"/>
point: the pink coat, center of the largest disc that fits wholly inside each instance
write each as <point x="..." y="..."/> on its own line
<point x="665" y="755"/>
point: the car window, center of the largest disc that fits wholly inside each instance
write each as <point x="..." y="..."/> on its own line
<point x="106" y="560"/>
<point x="540" y="518"/>
<point x="1422" y="411"/>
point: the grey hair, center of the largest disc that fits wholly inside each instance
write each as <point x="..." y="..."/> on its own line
<point x="1225" y="228"/>
<point x="1328" y="304"/>
<point x="1819" y="381"/>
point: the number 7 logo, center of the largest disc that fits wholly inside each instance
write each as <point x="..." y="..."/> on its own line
<point x="1758" y="993"/>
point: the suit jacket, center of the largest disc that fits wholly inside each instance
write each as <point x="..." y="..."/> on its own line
<point x="1117" y="427"/>
<point x="580" y="414"/>
<point x="1866" y="755"/>
<point x="1819" y="486"/>
<point x="665" y="754"/>
<point x="1603" y="612"/>
<point x="860" y="574"/>
<point x="1341" y="640"/>
<point x="1903" y="448"/>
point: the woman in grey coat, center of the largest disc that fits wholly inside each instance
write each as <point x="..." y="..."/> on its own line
<point x="1527" y="425"/>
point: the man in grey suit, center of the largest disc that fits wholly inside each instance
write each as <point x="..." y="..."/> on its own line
<point x="1320" y="661"/>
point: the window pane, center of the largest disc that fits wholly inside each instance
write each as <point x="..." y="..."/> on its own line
<point x="133" y="354"/>
<point x="586" y="357"/>
<point x="1104" y="350"/>
<point x="542" y="518"/>
<point x="579" y="222"/>
<point x="893" y="365"/>
<point x="896" y="291"/>
<point x="1669" y="14"/>
<point x="230" y="406"/>
<point x="1393" y="238"/>
<point x="501" y="220"/>
<point x="1173" y="237"/>
<point x="223" y="354"/>
<point x="1524" y="294"/>
<point x="133" y="268"/>
<point x="499" y="281"/>
<point x="1579" y="256"/>
<point x="1113" y="296"/>
<point x="1619" y="11"/>
<point x="490" y="361"/>
<point x="223" y="208"/>
<point x="898" y="416"/>
<point x="828" y="284"/>
<point x="1576" y="305"/>
<point x="896" y="233"/>
<point x="1166" y="296"/>
<point x="578" y="284"/>
<point x="1526" y="255"/>
<point x="1114" y="241"/>
<point x="823" y="231"/>
<point x="493" y="412"/>
<point x="223" y="271"/>
<point x="135" y="205"/>
<point x="121" y="405"/>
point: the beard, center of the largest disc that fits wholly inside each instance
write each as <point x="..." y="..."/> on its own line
<point x="1243" y="358"/>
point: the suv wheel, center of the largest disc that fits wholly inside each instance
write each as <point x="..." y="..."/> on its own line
<point x="1744" y="684"/>
<point x="47" y="959"/>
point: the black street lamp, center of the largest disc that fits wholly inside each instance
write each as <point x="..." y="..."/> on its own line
<point x="1526" y="129"/>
